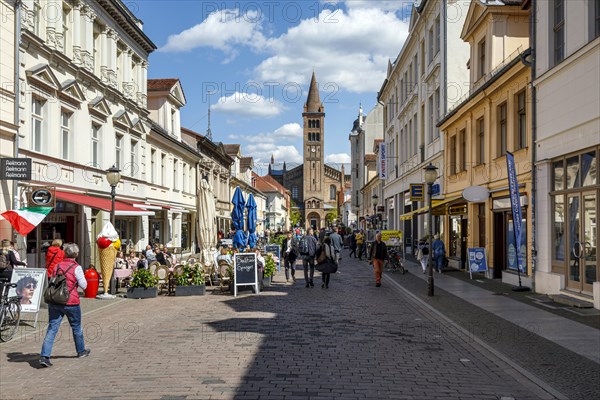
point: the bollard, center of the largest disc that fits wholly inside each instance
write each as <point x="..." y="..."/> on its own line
<point x="91" y="276"/>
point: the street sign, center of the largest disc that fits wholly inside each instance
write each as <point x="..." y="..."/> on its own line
<point x="15" y="169"/>
<point x="435" y="189"/>
<point x="417" y="192"/>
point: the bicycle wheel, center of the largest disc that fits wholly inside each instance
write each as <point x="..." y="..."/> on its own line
<point x="9" y="322"/>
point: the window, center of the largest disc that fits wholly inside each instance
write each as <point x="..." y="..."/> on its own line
<point x="96" y="145"/>
<point x="431" y="123"/>
<point x="118" y="151"/>
<point x="481" y="67"/>
<point x="152" y="166"/>
<point x="295" y="190"/>
<point x="437" y="35"/>
<point x="422" y="57"/>
<point x="332" y="192"/>
<point x="133" y="159"/>
<point x="438" y="112"/>
<point x="558" y="228"/>
<point x="97" y="47"/>
<point x="173" y="121"/>
<point x="453" y="155"/>
<point x="521" y="131"/>
<point x="558" y="31"/>
<point x="37" y="123"/>
<point x="163" y="171"/>
<point x="416" y="74"/>
<point x="480" y="141"/>
<point x="410" y="138"/>
<point x="186" y="229"/>
<point x="415" y="135"/>
<point x="66" y="15"/>
<point x="65" y="136"/>
<point x="502" y="130"/>
<point x="594" y="11"/>
<point x="463" y="150"/>
<point x="175" y="174"/>
<point x="430" y="52"/>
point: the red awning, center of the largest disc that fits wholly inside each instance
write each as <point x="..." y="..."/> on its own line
<point x="101" y="204"/>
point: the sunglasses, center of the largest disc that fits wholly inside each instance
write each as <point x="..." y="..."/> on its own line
<point x="30" y="286"/>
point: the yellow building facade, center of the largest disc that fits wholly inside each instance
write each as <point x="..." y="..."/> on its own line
<point x="493" y="119"/>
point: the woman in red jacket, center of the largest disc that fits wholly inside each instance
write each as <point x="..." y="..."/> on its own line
<point x="54" y="256"/>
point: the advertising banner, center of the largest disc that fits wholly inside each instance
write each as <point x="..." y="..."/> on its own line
<point x="515" y="202"/>
<point x="382" y="161"/>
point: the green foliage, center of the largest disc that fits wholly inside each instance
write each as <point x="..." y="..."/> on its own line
<point x="191" y="275"/>
<point x="295" y="216"/>
<point x="330" y="217"/>
<point x="276" y="239"/>
<point x="143" y="278"/>
<point x="269" y="266"/>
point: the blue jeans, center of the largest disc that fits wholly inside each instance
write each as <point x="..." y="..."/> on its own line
<point x="439" y="262"/>
<point x="56" y="313"/>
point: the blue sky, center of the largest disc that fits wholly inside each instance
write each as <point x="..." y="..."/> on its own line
<point x="256" y="59"/>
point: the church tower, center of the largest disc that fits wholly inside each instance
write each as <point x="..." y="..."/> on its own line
<point x="314" y="118"/>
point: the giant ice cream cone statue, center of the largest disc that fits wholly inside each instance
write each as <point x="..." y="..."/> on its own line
<point x="108" y="243"/>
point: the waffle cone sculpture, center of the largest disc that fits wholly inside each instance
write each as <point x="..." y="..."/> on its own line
<point x="107" y="264"/>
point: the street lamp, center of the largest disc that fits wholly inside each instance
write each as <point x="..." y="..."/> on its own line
<point x="430" y="177"/>
<point x="113" y="176"/>
<point x="375" y="201"/>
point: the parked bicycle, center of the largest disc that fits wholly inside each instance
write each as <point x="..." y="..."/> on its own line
<point x="10" y="311"/>
<point x="394" y="262"/>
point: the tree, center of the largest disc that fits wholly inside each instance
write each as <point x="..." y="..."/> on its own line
<point x="295" y="216"/>
<point x="330" y="217"/>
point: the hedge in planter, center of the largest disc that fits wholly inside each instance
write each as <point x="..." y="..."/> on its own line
<point x="190" y="282"/>
<point x="143" y="285"/>
<point x="269" y="270"/>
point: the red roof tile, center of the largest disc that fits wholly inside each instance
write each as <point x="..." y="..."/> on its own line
<point x="162" y="84"/>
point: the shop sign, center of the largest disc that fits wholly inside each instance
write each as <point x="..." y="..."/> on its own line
<point x="391" y="238"/>
<point x="15" y="169"/>
<point x="55" y="219"/>
<point x="417" y="192"/>
<point x="382" y="161"/>
<point x="477" y="260"/>
<point x="458" y="210"/>
<point x="41" y="197"/>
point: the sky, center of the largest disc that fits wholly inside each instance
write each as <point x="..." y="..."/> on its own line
<point x="252" y="62"/>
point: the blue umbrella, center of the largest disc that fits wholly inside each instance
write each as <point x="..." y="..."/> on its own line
<point x="251" y="206"/>
<point x="237" y="217"/>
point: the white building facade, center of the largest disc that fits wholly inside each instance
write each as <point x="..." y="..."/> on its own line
<point x="428" y="77"/>
<point x="567" y="143"/>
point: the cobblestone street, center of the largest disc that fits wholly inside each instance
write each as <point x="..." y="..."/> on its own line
<point x="351" y="341"/>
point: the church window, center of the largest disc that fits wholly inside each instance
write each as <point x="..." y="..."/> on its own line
<point x="318" y="137"/>
<point x="332" y="192"/>
<point x="294" y="192"/>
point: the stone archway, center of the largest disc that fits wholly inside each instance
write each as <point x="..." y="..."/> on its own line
<point x="313" y="219"/>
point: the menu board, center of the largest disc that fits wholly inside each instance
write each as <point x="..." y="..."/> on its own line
<point x="274" y="249"/>
<point x="245" y="271"/>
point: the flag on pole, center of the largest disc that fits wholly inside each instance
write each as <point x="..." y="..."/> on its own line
<point x="24" y="220"/>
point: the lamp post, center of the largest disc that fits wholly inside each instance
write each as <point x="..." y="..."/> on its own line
<point x="430" y="177"/>
<point x="375" y="202"/>
<point x="113" y="176"/>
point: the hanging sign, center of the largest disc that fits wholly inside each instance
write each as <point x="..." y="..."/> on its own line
<point x="382" y="160"/>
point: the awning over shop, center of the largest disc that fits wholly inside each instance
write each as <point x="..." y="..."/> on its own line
<point x="436" y="206"/>
<point x="121" y="209"/>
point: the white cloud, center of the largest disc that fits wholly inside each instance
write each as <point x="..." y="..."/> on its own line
<point x="341" y="158"/>
<point x="261" y="152"/>
<point x="288" y="131"/>
<point x="348" y="50"/>
<point x="248" y="105"/>
<point x="222" y="30"/>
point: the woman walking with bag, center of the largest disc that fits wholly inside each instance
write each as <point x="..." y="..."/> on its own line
<point x="74" y="277"/>
<point x="330" y="265"/>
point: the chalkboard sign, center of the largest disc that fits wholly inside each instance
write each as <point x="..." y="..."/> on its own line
<point x="274" y="249"/>
<point x="245" y="271"/>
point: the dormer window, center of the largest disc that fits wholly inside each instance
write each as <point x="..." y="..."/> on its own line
<point x="481" y="67"/>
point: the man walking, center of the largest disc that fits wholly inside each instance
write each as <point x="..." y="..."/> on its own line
<point x="360" y="243"/>
<point x="337" y="243"/>
<point x="377" y="256"/>
<point x="290" y="253"/>
<point x="308" y="250"/>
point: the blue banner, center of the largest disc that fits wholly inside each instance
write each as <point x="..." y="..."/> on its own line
<point x="515" y="202"/>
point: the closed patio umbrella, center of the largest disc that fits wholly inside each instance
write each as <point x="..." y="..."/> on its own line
<point x="237" y="218"/>
<point x="251" y="206"/>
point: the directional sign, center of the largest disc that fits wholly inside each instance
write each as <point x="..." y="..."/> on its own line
<point x="417" y="192"/>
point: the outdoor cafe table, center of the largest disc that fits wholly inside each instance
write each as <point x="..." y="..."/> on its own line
<point x="121" y="273"/>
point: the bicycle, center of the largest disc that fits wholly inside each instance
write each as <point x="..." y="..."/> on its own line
<point x="10" y="312"/>
<point x="394" y="262"/>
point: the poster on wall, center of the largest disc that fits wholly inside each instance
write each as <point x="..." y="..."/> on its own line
<point x="30" y="285"/>
<point x="511" y="248"/>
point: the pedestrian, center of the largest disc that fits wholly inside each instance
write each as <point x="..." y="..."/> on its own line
<point x="5" y="265"/>
<point x="439" y="253"/>
<point x="74" y="275"/>
<point x="326" y="268"/>
<point x="322" y="234"/>
<point x="54" y="256"/>
<point x="352" y="244"/>
<point x="360" y="243"/>
<point x="377" y="256"/>
<point x="15" y="250"/>
<point x="308" y="247"/>
<point x="290" y="254"/>
<point x="423" y="254"/>
<point x="337" y="243"/>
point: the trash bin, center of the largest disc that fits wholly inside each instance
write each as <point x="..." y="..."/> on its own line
<point x="91" y="276"/>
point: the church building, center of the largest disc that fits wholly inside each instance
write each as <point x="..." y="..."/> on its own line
<point x="316" y="188"/>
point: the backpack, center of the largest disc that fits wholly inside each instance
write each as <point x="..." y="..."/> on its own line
<point x="303" y="246"/>
<point x="4" y="263"/>
<point x="58" y="291"/>
<point x="425" y="250"/>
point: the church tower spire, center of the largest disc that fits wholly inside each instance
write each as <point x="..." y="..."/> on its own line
<point x="313" y="102"/>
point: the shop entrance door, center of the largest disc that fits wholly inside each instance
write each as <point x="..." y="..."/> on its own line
<point x="583" y="241"/>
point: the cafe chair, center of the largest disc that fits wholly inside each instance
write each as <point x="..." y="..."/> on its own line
<point x="178" y="269"/>
<point x="152" y="266"/>
<point x="162" y="273"/>
<point x="207" y="272"/>
<point x="224" y="278"/>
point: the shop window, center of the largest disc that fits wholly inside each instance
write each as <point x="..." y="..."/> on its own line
<point x="558" y="228"/>
<point x="572" y="172"/>
<point x="558" y="175"/>
<point x="589" y="169"/>
<point x="186" y="228"/>
<point x="512" y="248"/>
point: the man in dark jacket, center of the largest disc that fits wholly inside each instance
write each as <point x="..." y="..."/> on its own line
<point x="289" y="247"/>
<point x="308" y="259"/>
<point x="377" y="257"/>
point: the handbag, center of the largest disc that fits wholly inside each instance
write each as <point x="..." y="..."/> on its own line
<point x="322" y="256"/>
<point x="329" y="267"/>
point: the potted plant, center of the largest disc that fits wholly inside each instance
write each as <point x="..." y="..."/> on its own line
<point x="190" y="282"/>
<point x="269" y="270"/>
<point x="143" y="285"/>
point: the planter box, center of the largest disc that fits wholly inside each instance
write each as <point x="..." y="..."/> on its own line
<point x="141" y="293"/>
<point x="190" y="290"/>
<point x="267" y="281"/>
